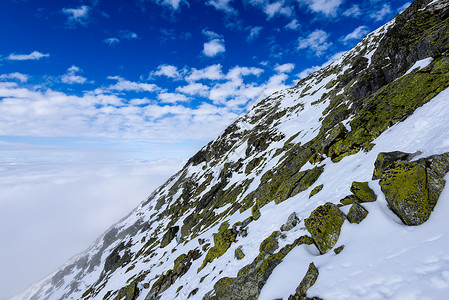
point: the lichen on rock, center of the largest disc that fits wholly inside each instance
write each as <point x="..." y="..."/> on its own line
<point x="363" y="191"/>
<point x="324" y="224"/>
<point x="357" y="213"/>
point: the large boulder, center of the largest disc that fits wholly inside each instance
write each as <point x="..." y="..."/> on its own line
<point x="324" y="225"/>
<point x="412" y="188"/>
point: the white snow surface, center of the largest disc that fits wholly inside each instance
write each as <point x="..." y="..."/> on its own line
<point x="420" y="64"/>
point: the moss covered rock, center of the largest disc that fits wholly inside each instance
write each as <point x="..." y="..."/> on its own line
<point x="324" y="224"/>
<point x="357" y="213"/>
<point x="316" y="190"/>
<point x="251" y="278"/>
<point x="412" y="188"/>
<point x="308" y="280"/>
<point x="222" y="241"/>
<point x="385" y="159"/>
<point x="363" y="191"/>
<point x="350" y="199"/>
<point x="169" y="236"/>
<point x="239" y="253"/>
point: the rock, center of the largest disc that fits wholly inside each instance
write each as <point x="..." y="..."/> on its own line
<point x="350" y="199"/>
<point x="384" y="159"/>
<point x="292" y="221"/>
<point x="251" y="278"/>
<point x="222" y="241"/>
<point x="169" y="236"/>
<point x="363" y="191"/>
<point x="316" y="190"/>
<point x="324" y="224"/>
<point x="339" y="249"/>
<point x="357" y="213"/>
<point x="239" y="253"/>
<point x="308" y="280"/>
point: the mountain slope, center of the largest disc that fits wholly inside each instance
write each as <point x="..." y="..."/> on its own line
<point x="239" y="222"/>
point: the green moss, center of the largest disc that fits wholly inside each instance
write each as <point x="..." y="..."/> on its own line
<point x="406" y="191"/>
<point x="270" y="244"/>
<point x="349" y="200"/>
<point x="363" y="191"/>
<point x="239" y="253"/>
<point x="324" y="225"/>
<point x="316" y="190"/>
<point x="222" y="241"/>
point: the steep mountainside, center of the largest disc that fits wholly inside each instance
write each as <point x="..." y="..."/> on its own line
<point x="257" y="211"/>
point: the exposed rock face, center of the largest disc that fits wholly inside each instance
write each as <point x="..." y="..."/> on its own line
<point x="169" y="236"/>
<point x="363" y="191"/>
<point x="292" y="221"/>
<point x="357" y="213"/>
<point x="412" y="188"/>
<point x="324" y="225"/>
<point x="308" y="280"/>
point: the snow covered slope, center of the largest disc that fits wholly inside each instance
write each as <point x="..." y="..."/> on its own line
<point x="250" y="212"/>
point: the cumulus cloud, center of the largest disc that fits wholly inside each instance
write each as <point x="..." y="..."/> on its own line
<point x="71" y="77"/>
<point x="379" y="15"/>
<point x="357" y="34"/>
<point x="35" y="55"/>
<point x="285" y="68"/>
<point x="172" y="97"/>
<point x="77" y="16"/>
<point x="113" y="41"/>
<point x="293" y="25"/>
<point x="126" y="85"/>
<point x="212" y="72"/>
<point x="403" y="7"/>
<point x="215" y="45"/>
<point x="128" y="35"/>
<point x="274" y="8"/>
<point x="15" y="76"/>
<point x="222" y="5"/>
<point x="254" y="33"/>
<point x="167" y="71"/>
<point x="326" y="7"/>
<point x="354" y="11"/>
<point x="171" y="4"/>
<point x="317" y="42"/>
<point x="193" y="89"/>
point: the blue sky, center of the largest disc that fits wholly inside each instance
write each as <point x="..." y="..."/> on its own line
<point x="161" y="72"/>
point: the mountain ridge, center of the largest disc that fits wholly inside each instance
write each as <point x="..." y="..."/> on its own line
<point x="274" y="154"/>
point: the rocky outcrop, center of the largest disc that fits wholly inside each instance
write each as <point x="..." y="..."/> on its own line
<point x="324" y="225"/>
<point x="308" y="280"/>
<point x="412" y="188"/>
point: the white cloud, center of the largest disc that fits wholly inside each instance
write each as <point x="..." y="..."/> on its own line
<point x="354" y="11"/>
<point x="15" y="76"/>
<point x="35" y="55"/>
<point x="223" y="5"/>
<point x="128" y="35"/>
<point x="193" y="89"/>
<point x="379" y="15"/>
<point x="285" y="68"/>
<point x="126" y="85"/>
<point x="254" y="33"/>
<point x="71" y="76"/>
<point x="357" y="34"/>
<point x="404" y="7"/>
<point x="293" y="25"/>
<point x="78" y="15"/>
<point x="171" y="4"/>
<point x="167" y="71"/>
<point x="277" y="8"/>
<point x="111" y="41"/>
<point x="214" y="47"/>
<point x="212" y="72"/>
<point x="327" y="7"/>
<point x="172" y="97"/>
<point x="315" y="41"/>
